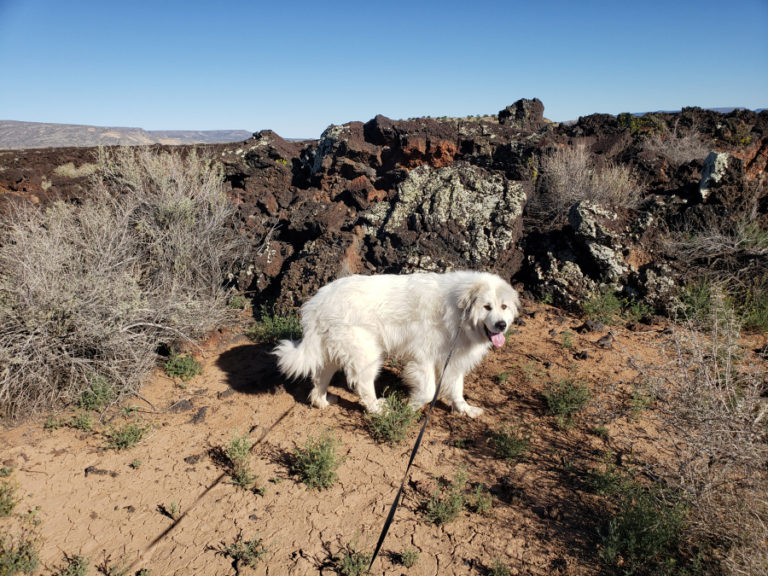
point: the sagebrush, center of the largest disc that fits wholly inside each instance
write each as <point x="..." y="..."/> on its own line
<point x="90" y="290"/>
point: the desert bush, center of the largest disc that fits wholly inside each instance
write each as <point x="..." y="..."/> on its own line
<point x="74" y="566"/>
<point x="713" y="404"/>
<point x="246" y="552"/>
<point x="445" y="505"/>
<point x="392" y="423"/>
<point x="317" y="461"/>
<point x="352" y="561"/>
<point x="271" y="326"/>
<point x="408" y="557"/>
<point x="644" y="535"/>
<point x="69" y="170"/>
<point x="126" y="436"/>
<point x="565" y="398"/>
<point x="184" y="367"/>
<point x="18" y="555"/>
<point x="677" y="148"/>
<point x="571" y="174"/>
<point x="510" y="443"/>
<point x="238" y="452"/>
<point x="90" y="290"/>
<point x="8" y="498"/>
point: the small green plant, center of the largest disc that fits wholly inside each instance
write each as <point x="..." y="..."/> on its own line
<point x="481" y="500"/>
<point x="127" y="436"/>
<point x="271" y="327"/>
<point x="645" y="533"/>
<point x="565" y="398"/>
<point x="636" y="310"/>
<point x="502" y="377"/>
<point x="172" y="510"/>
<point x="601" y="431"/>
<point x="317" y="461"/>
<point x="238" y="451"/>
<point x="98" y="395"/>
<point x="640" y="401"/>
<point x="510" y="443"/>
<point x="352" y="561"/>
<point x="237" y="302"/>
<point x="446" y="504"/>
<point x="566" y="339"/>
<point x="5" y="471"/>
<point x="52" y="423"/>
<point x="246" y="552"/>
<point x="81" y="421"/>
<point x="18" y="555"/>
<point x="184" y="367"/>
<point x="498" y="568"/>
<point x="604" y="307"/>
<point x="8" y="498"/>
<point x="408" y="557"/>
<point x="392" y="423"/>
<point x="605" y="480"/>
<point x="135" y="465"/>
<point x="74" y="566"/>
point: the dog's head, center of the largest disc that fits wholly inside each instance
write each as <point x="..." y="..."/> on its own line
<point x="490" y="306"/>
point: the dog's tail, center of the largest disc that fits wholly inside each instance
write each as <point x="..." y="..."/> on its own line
<point x="299" y="359"/>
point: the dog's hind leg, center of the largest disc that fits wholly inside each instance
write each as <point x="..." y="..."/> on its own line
<point x="319" y="397"/>
<point x="420" y="377"/>
<point x="364" y="360"/>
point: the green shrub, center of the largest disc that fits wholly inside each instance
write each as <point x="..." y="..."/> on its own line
<point x="317" y="461"/>
<point x="126" y="436"/>
<point x="97" y="395"/>
<point x="246" y="552"/>
<point x="446" y="504"/>
<point x="645" y="533"/>
<point x="271" y="326"/>
<point x="352" y="561"/>
<point x="498" y="568"/>
<point x="392" y="423"/>
<point x="408" y="557"/>
<point x="8" y="498"/>
<point x="481" y="500"/>
<point x="604" y="307"/>
<point x="510" y="443"/>
<point x="18" y="556"/>
<point x="565" y="398"/>
<point x="75" y="566"/>
<point x="184" y="367"/>
<point x="238" y="452"/>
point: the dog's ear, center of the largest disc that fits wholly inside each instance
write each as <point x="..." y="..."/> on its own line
<point x="468" y="297"/>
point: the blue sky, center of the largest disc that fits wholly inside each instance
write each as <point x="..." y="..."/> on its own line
<point x="298" y="66"/>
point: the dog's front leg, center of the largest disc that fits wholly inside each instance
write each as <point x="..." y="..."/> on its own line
<point x="453" y="391"/>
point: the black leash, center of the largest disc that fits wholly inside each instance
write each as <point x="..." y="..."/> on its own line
<point x="399" y="494"/>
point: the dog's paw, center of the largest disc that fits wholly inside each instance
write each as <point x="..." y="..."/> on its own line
<point x="376" y="407"/>
<point x="471" y="411"/>
<point x="321" y="400"/>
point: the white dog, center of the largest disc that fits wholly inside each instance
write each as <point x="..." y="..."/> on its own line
<point x="356" y="322"/>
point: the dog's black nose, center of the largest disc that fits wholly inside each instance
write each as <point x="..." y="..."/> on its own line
<point x="501" y="325"/>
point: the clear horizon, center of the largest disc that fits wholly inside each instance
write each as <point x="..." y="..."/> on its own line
<point x="301" y="66"/>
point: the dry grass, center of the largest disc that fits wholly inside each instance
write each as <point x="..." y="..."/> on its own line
<point x="571" y="174"/>
<point x="678" y="149"/>
<point x="713" y="407"/>
<point x="91" y="290"/>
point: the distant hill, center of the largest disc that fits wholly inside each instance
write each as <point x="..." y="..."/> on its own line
<point x="17" y="135"/>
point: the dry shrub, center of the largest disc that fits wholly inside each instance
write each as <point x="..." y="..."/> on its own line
<point x="677" y="148"/>
<point x="90" y="290"/>
<point x="713" y="408"/>
<point x="571" y="174"/>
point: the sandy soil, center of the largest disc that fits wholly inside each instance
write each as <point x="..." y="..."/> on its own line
<point x="106" y="505"/>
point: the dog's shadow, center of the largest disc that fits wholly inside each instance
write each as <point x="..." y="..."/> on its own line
<point x="252" y="369"/>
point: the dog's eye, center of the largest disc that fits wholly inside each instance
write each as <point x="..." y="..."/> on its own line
<point x="488" y="307"/>
<point x="503" y="306"/>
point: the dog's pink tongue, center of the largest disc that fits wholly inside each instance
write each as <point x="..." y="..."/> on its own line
<point x="498" y="339"/>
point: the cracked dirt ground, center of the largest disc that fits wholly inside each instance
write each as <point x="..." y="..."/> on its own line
<point x="106" y="505"/>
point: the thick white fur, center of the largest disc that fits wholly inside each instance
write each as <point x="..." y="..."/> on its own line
<point x="356" y="322"/>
